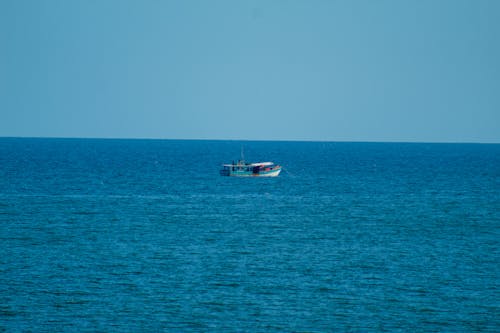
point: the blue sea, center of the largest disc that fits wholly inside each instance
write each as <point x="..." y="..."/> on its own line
<point x="145" y="236"/>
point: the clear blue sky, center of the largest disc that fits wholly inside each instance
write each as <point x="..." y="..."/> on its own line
<point x="374" y="70"/>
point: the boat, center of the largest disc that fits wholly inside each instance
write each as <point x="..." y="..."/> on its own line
<point x="243" y="169"/>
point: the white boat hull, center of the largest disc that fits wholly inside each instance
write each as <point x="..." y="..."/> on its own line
<point x="273" y="173"/>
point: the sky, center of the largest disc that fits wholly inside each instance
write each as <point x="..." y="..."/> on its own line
<point x="374" y="70"/>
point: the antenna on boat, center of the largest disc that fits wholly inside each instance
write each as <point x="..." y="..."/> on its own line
<point x="242" y="155"/>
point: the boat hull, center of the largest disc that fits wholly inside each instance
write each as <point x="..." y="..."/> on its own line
<point x="243" y="173"/>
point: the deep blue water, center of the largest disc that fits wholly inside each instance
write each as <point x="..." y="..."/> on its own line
<point x="144" y="235"/>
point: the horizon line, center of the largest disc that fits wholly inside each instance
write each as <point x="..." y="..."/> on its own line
<point x="256" y="140"/>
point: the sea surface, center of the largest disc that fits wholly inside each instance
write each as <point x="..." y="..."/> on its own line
<point x="145" y="236"/>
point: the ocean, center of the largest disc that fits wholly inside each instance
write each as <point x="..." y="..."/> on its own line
<point x="145" y="236"/>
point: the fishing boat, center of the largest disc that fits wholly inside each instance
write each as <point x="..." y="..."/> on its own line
<point x="243" y="169"/>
